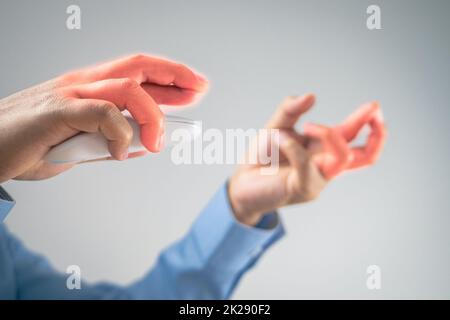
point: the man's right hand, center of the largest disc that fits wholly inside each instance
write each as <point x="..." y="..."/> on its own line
<point x="90" y="100"/>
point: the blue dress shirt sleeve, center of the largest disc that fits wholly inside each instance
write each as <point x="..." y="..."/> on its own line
<point x="6" y="204"/>
<point x="206" y="263"/>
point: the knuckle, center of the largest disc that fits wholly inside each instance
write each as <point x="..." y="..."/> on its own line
<point x="127" y="133"/>
<point x="137" y="57"/>
<point x="105" y="110"/>
<point x="50" y="99"/>
<point x="128" y="84"/>
<point x="52" y="104"/>
<point x="178" y="68"/>
<point x="108" y="112"/>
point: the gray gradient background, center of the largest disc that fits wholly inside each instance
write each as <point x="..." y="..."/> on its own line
<point x="113" y="218"/>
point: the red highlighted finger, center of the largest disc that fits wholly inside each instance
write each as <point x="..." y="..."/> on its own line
<point x="126" y="94"/>
<point x="142" y="69"/>
<point x="357" y="120"/>
<point x="370" y="152"/>
<point x="335" y="155"/>
<point x="171" y="95"/>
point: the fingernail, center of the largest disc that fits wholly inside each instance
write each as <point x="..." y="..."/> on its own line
<point x="203" y="82"/>
<point x="201" y="77"/>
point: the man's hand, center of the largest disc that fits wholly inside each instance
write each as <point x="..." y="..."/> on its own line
<point x="307" y="162"/>
<point x="89" y="100"/>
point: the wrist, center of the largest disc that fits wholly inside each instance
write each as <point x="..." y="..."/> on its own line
<point x="241" y="212"/>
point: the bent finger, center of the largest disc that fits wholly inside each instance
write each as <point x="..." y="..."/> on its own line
<point x="142" y="68"/>
<point x="368" y="154"/>
<point x="357" y="120"/>
<point x="171" y="95"/>
<point x="127" y="94"/>
<point x="92" y="115"/>
<point x="336" y="155"/>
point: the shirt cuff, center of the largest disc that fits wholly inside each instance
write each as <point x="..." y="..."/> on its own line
<point x="226" y="244"/>
<point x="6" y="204"/>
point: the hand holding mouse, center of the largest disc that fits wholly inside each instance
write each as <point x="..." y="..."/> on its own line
<point x="91" y="100"/>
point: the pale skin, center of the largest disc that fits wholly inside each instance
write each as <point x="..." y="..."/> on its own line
<point x="89" y="100"/>
<point x="307" y="161"/>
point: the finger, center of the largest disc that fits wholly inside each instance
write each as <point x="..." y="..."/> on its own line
<point x="91" y="115"/>
<point x="290" y="111"/>
<point x="368" y="154"/>
<point x="170" y="95"/>
<point x="127" y="94"/>
<point x="356" y="121"/>
<point x="336" y="155"/>
<point x="311" y="181"/>
<point x="294" y="151"/>
<point x="142" y="69"/>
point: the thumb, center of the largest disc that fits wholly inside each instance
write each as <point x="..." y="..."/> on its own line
<point x="290" y="110"/>
<point x="90" y="115"/>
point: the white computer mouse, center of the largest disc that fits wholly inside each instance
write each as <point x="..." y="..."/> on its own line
<point x="91" y="146"/>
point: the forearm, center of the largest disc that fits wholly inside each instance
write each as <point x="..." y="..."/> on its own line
<point x="210" y="260"/>
<point x="206" y="263"/>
